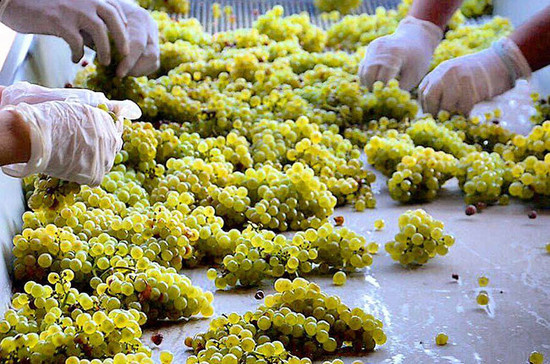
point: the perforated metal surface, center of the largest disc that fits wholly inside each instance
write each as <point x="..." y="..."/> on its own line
<point x="247" y="11"/>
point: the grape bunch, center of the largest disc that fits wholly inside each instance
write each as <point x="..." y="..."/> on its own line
<point x="420" y="238"/>
<point x="386" y="152"/>
<point x="536" y="144"/>
<point x="49" y="192"/>
<point x="476" y="8"/>
<point x="429" y="133"/>
<point x="486" y="134"/>
<point x="56" y="322"/>
<point x="170" y="6"/>
<point x="483" y="177"/>
<point x="342" y="7"/>
<point x="296" y="323"/>
<point x="419" y="176"/>
<point x="469" y="39"/>
<point x="542" y="107"/>
<point x="530" y="178"/>
<point x="260" y="254"/>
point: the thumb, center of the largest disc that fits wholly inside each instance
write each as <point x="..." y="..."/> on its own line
<point x="125" y="109"/>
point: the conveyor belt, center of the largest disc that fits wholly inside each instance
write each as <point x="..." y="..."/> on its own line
<point x="247" y="11"/>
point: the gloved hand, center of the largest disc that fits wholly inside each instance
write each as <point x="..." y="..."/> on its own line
<point x="33" y="94"/>
<point x="143" y="38"/>
<point x="405" y="54"/>
<point x="458" y="84"/>
<point x="71" y="20"/>
<point x="69" y="140"/>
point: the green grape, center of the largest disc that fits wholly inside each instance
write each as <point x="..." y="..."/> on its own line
<point x="386" y="152"/>
<point x="542" y="107"/>
<point x="426" y="132"/>
<point x="441" y="339"/>
<point x="536" y="358"/>
<point x="483" y="177"/>
<point x="171" y="6"/>
<point x="245" y="134"/>
<point x="343" y="7"/>
<point x="476" y="8"/>
<point x="483" y="281"/>
<point x="288" y="325"/>
<point x="260" y="254"/>
<point x="420" y="239"/>
<point x="420" y="175"/>
<point x="482" y="299"/>
<point x="534" y="144"/>
<point x="339" y="278"/>
<point x="49" y="192"/>
<point x="470" y="39"/>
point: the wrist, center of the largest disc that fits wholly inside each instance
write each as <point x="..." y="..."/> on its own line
<point x="514" y="60"/>
<point x="15" y="138"/>
<point x="428" y="30"/>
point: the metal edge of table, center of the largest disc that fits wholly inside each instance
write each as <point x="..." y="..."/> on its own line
<point x="16" y="56"/>
<point x="11" y="193"/>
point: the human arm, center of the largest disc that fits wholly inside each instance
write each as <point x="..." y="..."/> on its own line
<point x="438" y="12"/>
<point x="406" y="54"/>
<point x="15" y="143"/>
<point x="64" y="139"/>
<point x="458" y="84"/>
<point x="24" y="92"/>
<point x="533" y="39"/>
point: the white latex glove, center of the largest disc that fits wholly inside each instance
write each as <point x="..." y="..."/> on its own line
<point x="143" y="38"/>
<point x="458" y="84"/>
<point x="71" y="20"/>
<point x="404" y="55"/>
<point x="69" y="140"/>
<point x="24" y="92"/>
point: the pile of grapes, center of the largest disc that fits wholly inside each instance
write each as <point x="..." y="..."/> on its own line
<point x="245" y="135"/>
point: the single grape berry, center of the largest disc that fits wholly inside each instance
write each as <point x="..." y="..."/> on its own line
<point x="379" y="224"/>
<point x="504" y="200"/>
<point x="441" y="339"/>
<point x="211" y="274"/>
<point x="339" y="278"/>
<point x="372" y="248"/>
<point x="470" y="210"/>
<point x="166" y="357"/>
<point x="455" y="276"/>
<point x="68" y="85"/>
<point x="157" y="338"/>
<point x="189" y="342"/>
<point x="532" y="214"/>
<point x="482" y="299"/>
<point x="483" y="281"/>
<point x="84" y="63"/>
<point x="259" y="295"/>
<point x="548" y="248"/>
<point x="339" y="220"/>
<point x="536" y="358"/>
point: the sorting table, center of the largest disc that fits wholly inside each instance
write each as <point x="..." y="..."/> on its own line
<point x="416" y="304"/>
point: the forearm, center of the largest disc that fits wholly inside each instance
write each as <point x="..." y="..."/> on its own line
<point x="533" y="39"/>
<point x="15" y="143"/>
<point x="438" y="12"/>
